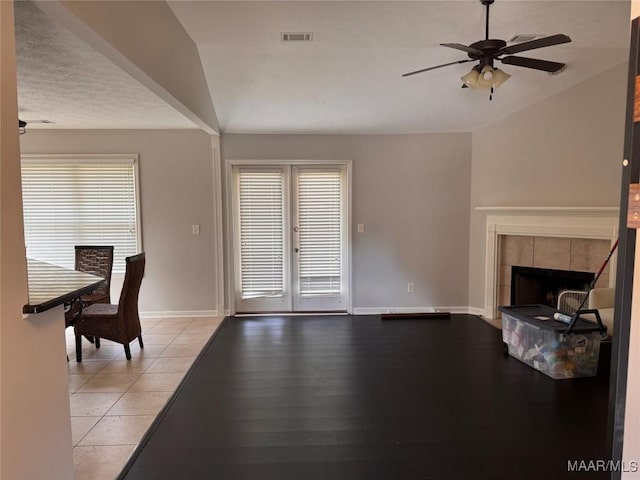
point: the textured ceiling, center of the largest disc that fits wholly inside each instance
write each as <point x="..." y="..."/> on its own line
<point x="346" y="81"/>
<point x="65" y="81"/>
<point x="349" y="78"/>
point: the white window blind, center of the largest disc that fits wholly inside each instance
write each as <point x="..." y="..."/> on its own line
<point x="320" y="232"/>
<point x="261" y="202"/>
<point x="71" y="201"/>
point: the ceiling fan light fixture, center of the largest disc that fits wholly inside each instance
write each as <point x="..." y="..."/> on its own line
<point x="471" y="78"/>
<point x="499" y="77"/>
<point x="486" y="78"/>
<point x="486" y="52"/>
<point x="490" y="77"/>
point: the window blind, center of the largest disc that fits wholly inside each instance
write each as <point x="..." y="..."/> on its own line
<point x="261" y="201"/>
<point x="73" y="201"/>
<point x="320" y="232"/>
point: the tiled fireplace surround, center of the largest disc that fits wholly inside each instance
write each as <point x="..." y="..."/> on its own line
<point x="561" y="238"/>
<point x="575" y="254"/>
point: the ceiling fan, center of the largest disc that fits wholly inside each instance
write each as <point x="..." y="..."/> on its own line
<point x="485" y="52"/>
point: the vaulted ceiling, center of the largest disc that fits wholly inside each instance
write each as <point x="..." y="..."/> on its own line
<point x="347" y="80"/>
<point x="63" y="80"/>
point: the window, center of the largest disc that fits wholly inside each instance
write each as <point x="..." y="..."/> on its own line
<point x="261" y="202"/>
<point x="73" y="200"/>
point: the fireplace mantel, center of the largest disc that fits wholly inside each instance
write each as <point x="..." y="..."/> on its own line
<point x="568" y="222"/>
<point x="551" y="211"/>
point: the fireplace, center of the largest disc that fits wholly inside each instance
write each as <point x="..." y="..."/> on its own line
<point x="531" y="285"/>
<point x="542" y="267"/>
<point x="558" y="238"/>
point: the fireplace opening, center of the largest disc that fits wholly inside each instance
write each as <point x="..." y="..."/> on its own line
<point x="543" y="285"/>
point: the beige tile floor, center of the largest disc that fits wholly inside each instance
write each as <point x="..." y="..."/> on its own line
<point x="114" y="401"/>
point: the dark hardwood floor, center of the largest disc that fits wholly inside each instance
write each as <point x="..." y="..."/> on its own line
<point x="354" y="397"/>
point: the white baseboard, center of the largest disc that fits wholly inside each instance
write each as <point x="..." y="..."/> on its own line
<point x="356" y="311"/>
<point x="383" y="310"/>
<point x="179" y="314"/>
<point x="465" y="310"/>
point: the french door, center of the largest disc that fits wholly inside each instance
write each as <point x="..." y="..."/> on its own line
<point x="290" y="238"/>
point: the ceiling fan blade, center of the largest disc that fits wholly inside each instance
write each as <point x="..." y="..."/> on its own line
<point x="538" y="43"/>
<point x="464" y="48"/>
<point x="437" y="66"/>
<point x="545" y="65"/>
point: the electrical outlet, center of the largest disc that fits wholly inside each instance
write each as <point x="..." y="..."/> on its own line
<point x="411" y="287"/>
<point x="361" y="228"/>
<point x="195" y="229"/>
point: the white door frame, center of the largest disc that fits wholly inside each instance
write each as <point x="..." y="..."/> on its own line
<point x="231" y="233"/>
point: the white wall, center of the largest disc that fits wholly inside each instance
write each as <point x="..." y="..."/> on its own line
<point x="176" y="187"/>
<point x="564" y="151"/>
<point x="35" y="425"/>
<point x="412" y="194"/>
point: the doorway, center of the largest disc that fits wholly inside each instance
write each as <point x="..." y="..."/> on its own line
<point x="291" y="237"/>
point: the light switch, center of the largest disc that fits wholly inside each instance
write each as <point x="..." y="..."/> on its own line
<point x="361" y="228"/>
<point x="195" y="229"/>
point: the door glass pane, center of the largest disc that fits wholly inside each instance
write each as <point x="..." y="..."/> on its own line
<point x="320" y="232"/>
<point x="261" y="201"/>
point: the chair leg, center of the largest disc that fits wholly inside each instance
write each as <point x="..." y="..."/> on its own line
<point x="127" y="351"/>
<point x="97" y="341"/>
<point x="78" y="348"/>
<point x="140" y="341"/>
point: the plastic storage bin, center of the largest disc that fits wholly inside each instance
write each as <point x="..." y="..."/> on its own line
<point x="535" y="338"/>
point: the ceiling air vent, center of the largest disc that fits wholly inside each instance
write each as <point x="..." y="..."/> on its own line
<point x="296" y="36"/>
<point x="524" y="37"/>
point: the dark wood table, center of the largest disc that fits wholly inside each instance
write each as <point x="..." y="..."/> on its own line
<point x="51" y="285"/>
